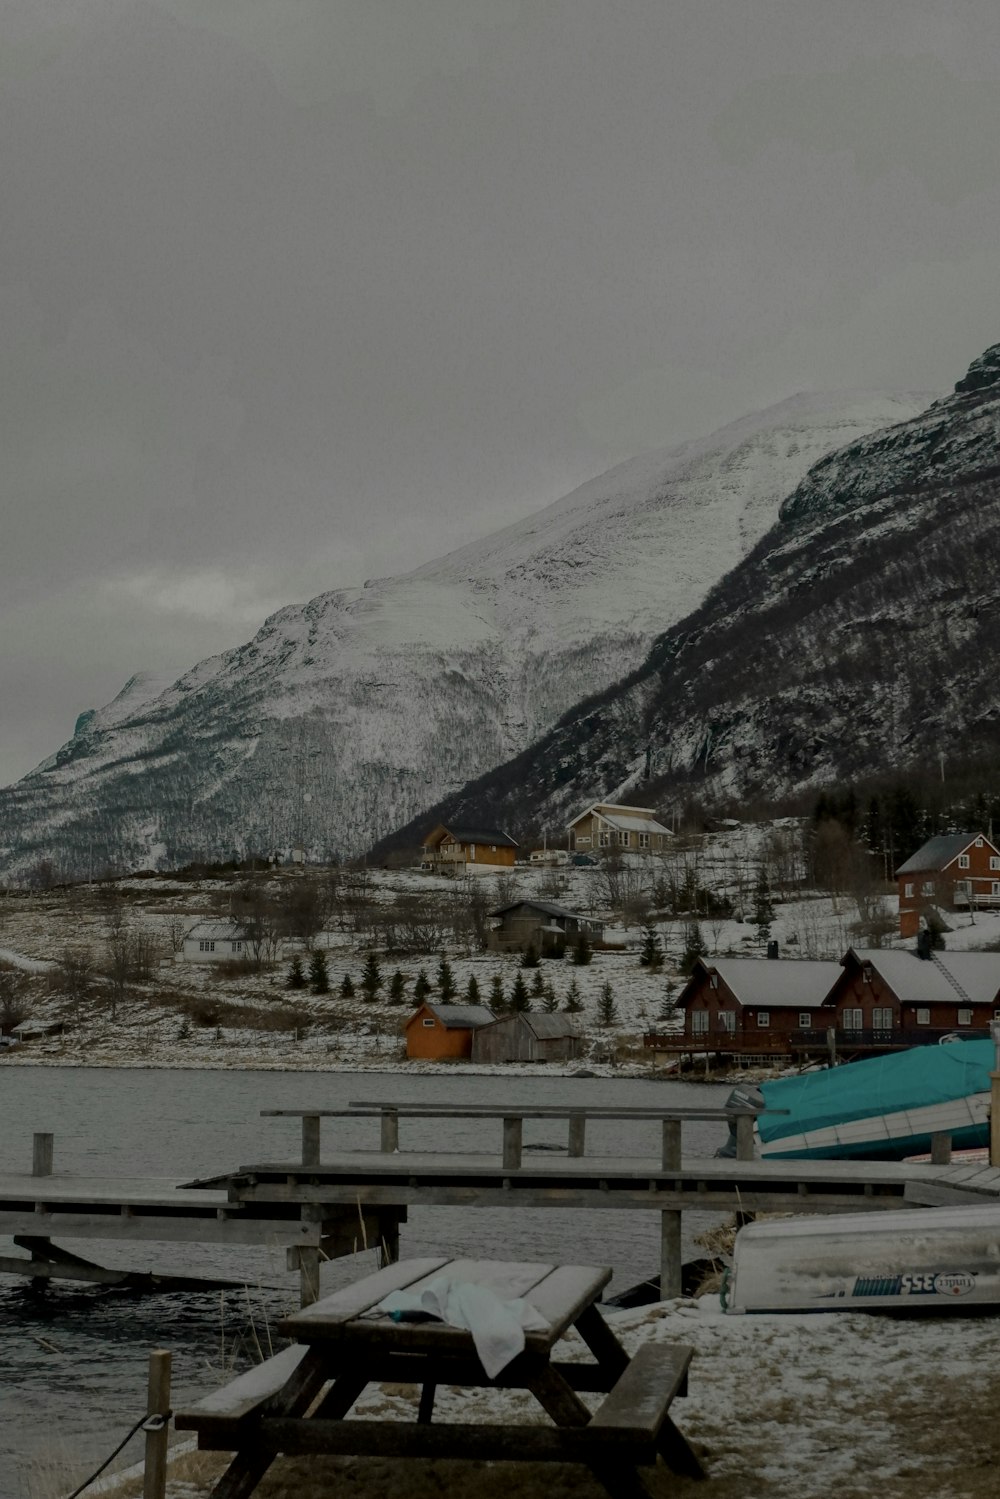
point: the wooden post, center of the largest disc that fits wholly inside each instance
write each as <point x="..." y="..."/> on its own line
<point x="154" y="1478"/>
<point x="831" y="1045"/>
<point x="41" y="1155"/>
<point x="995" y="1118"/>
<point x="577" y="1134"/>
<point x="390" y="1131"/>
<point x="744" y="1137"/>
<point x="670" y="1222"/>
<point x="940" y="1149"/>
<point x="512" y="1141"/>
<point x="310" y="1139"/>
<point x="308" y="1274"/>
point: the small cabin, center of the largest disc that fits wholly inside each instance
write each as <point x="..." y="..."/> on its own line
<point x="215" y="941"/>
<point x="543" y="925"/>
<point x="957" y="871"/>
<point x="528" y="1037"/>
<point x="444" y="1033"/>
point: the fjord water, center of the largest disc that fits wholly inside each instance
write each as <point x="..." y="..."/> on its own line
<point x="73" y="1367"/>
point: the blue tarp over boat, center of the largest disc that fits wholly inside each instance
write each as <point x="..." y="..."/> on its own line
<point x="884" y="1108"/>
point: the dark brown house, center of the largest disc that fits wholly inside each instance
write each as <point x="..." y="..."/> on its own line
<point x="545" y="926"/>
<point x="753" y="1007"/>
<point x="463" y="850"/>
<point x="531" y="1037"/>
<point x="889" y="999"/>
<point x="957" y="871"/>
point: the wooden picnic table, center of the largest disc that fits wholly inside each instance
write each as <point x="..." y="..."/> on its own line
<point x="300" y="1401"/>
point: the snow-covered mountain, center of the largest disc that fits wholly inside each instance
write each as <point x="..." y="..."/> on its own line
<point x="858" y="638"/>
<point x="345" y="717"/>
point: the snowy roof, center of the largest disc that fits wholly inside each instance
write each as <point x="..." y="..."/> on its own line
<point x="947" y="978"/>
<point x="937" y="853"/>
<point x="216" y="929"/>
<point x="547" y="907"/>
<point x="625" y="819"/>
<point x="774" y="984"/>
<point x="459" y="1017"/>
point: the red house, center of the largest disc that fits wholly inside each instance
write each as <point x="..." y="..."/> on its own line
<point x="752" y="1007"/>
<point x="957" y="871"/>
<point x="889" y="999"/>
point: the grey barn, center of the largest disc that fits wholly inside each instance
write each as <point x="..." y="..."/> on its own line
<point x="527" y="1037"/>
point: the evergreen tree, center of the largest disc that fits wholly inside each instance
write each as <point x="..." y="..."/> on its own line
<point x="347" y="987"/>
<point x="319" y="979"/>
<point x="472" y="991"/>
<point x="668" y="1004"/>
<point x="421" y="987"/>
<point x="651" y="951"/>
<point x="445" y="981"/>
<point x="574" y="1004"/>
<point x="530" y="957"/>
<point x="581" y="952"/>
<point x="549" y="1002"/>
<point x="397" y="988"/>
<point x="296" y="978"/>
<point x="763" y="910"/>
<point x="498" y="999"/>
<point x="519" y="1002"/>
<point x="537" y="985"/>
<point x="694" y="946"/>
<point x="607" y="1010"/>
<point x="371" y="977"/>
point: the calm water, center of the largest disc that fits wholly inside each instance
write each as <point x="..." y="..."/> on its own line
<point x="73" y="1362"/>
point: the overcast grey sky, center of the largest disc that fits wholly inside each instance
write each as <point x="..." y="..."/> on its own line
<point x="300" y="292"/>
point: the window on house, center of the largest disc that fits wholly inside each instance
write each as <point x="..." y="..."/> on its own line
<point x="994" y="861"/>
<point x="923" y="1015"/>
<point x="763" y="1017"/>
<point x="493" y="848"/>
<point x="427" y="1021"/>
<point x="206" y="946"/>
<point x="236" y="946"/>
<point x="927" y="888"/>
<point x="962" y="887"/>
<point x="727" y="1021"/>
<point x="866" y="973"/>
<point x="805" y="1020"/>
<point x="881" y="1019"/>
<point x="626" y="839"/>
<point x="699" y="1022"/>
<point x="965" y="1017"/>
<point x="853" y="1020"/>
<point x="604" y="838"/>
<point x="979" y="843"/>
<point x="714" y="980"/>
<point x="963" y="861"/>
<point x="908" y="888"/>
<point x="643" y="840"/>
<point x="995" y="887"/>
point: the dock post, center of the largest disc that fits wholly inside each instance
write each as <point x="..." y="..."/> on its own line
<point x="390" y="1131"/>
<point x="941" y="1149"/>
<point x="310" y="1139"/>
<point x="577" y="1134"/>
<point x="670" y="1221"/>
<point x="41" y="1155"/>
<point x="744" y="1137"/>
<point x="154" y="1476"/>
<point x="308" y="1255"/>
<point x="512" y="1141"/>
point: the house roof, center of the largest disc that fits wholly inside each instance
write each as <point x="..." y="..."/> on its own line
<point x="547" y="908"/>
<point x="471" y="835"/>
<point x="544" y="1027"/>
<point x="774" y="984"/>
<point x="215" y="928"/>
<point x="938" y="853"/>
<point x="457" y="1017"/>
<point x="948" y="978"/>
<point x="625" y="819"/>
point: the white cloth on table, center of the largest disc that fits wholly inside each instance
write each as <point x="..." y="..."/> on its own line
<point x="497" y="1327"/>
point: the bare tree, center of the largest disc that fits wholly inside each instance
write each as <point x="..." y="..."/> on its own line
<point x="78" y="969"/>
<point x="14" y="984"/>
<point x="260" y="916"/>
<point x="177" y="927"/>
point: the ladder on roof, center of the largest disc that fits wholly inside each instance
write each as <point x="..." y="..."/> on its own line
<point x="953" y="981"/>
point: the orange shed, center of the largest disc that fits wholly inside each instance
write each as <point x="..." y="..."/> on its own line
<point x="442" y="1033"/>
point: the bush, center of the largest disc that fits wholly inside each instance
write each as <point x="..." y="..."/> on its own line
<point x="582" y="953"/>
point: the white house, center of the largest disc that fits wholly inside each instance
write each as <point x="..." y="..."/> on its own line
<point x="217" y="940"/>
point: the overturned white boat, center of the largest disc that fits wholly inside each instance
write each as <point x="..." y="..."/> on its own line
<point x="926" y="1260"/>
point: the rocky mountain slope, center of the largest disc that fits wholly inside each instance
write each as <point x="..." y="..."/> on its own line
<point x="859" y="636"/>
<point x="347" y="716"/>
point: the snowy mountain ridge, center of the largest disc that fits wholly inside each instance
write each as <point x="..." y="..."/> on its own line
<point x="345" y="717"/>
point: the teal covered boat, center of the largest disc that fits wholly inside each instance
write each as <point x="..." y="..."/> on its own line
<point x="881" y="1109"/>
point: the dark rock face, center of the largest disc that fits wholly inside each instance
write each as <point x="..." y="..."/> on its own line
<point x="860" y="636"/>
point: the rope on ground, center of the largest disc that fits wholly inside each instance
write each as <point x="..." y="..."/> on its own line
<point x="144" y="1423"/>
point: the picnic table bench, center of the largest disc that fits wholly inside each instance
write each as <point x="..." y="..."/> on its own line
<point x="299" y="1401"/>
